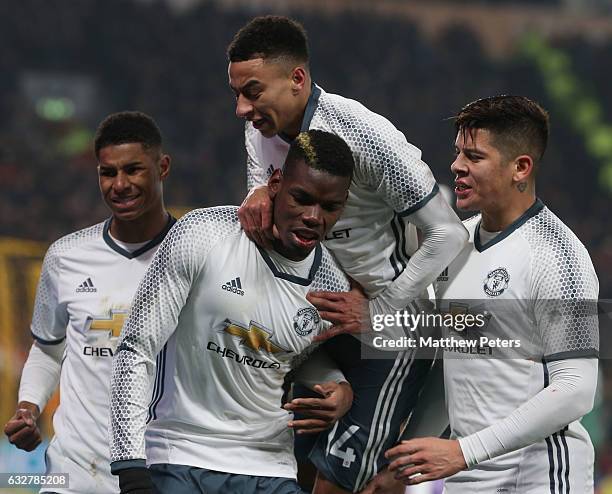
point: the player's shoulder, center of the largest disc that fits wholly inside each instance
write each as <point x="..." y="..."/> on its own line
<point x="75" y="240"/>
<point x="558" y="258"/>
<point x="549" y="236"/>
<point x="343" y="114"/>
<point x="218" y="221"/>
<point x="329" y="275"/>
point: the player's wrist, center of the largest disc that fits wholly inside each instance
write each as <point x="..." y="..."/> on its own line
<point x="30" y="407"/>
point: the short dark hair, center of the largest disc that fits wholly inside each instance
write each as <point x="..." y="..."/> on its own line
<point x="125" y="127"/>
<point x="322" y="151"/>
<point x="270" y="37"/>
<point x="518" y="124"/>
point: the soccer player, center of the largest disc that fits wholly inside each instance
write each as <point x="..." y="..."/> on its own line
<point x="86" y="286"/>
<point x="374" y="240"/>
<point x="228" y="320"/>
<point x="514" y="421"/>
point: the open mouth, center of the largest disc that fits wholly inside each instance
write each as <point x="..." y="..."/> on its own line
<point x="462" y="189"/>
<point x="306" y="238"/>
<point x="258" y="124"/>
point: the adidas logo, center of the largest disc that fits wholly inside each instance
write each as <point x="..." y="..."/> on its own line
<point x="270" y="171"/>
<point x="86" y="287"/>
<point x="233" y="286"/>
<point x="443" y="275"/>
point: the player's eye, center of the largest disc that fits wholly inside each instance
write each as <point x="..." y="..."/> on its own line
<point x="332" y="207"/>
<point x="302" y="199"/>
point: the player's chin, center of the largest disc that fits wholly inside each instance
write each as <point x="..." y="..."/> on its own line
<point x="126" y="214"/>
<point x="467" y="204"/>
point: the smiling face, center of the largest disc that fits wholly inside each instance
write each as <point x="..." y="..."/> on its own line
<point x="130" y="179"/>
<point x="307" y="203"/>
<point x="271" y="94"/>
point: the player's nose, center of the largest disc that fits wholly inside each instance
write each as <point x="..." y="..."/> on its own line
<point x="313" y="215"/>
<point x="243" y="107"/>
<point x="458" y="167"/>
<point x="121" y="182"/>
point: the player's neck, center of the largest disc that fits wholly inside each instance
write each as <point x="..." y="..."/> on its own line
<point x="145" y="227"/>
<point x="502" y="214"/>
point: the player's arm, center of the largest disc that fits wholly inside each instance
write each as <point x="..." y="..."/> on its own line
<point x="41" y="371"/>
<point x="39" y="380"/>
<point x="569" y="396"/>
<point x="320" y="373"/>
<point x="443" y="237"/>
<point x="255" y="213"/>
<point x="154" y="316"/>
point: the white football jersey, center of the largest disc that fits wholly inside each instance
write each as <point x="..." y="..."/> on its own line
<point x="536" y="284"/>
<point x="84" y="294"/>
<point x="228" y="320"/>
<point x="372" y="239"/>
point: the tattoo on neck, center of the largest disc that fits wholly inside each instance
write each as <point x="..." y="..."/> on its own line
<point x="522" y="186"/>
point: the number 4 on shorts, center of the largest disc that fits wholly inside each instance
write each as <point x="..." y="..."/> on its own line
<point x="347" y="456"/>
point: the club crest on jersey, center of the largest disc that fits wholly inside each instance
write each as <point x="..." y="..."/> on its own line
<point x="496" y="282"/>
<point x="305" y="321"/>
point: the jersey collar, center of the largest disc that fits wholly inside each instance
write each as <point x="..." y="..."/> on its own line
<point x="290" y="277"/>
<point x="535" y="208"/>
<point x="148" y="246"/>
<point x="311" y="106"/>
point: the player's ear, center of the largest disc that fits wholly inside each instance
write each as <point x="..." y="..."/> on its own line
<point x="164" y="166"/>
<point x="274" y="182"/>
<point x="298" y="79"/>
<point x="523" y="168"/>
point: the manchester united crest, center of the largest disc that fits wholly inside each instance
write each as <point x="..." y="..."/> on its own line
<point x="496" y="282"/>
<point x="305" y="321"/>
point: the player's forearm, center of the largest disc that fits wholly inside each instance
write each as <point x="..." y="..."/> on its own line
<point x="41" y="374"/>
<point x="569" y="396"/>
<point x="443" y="237"/>
<point x="256" y="175"/>
<point x="129" y="395"/>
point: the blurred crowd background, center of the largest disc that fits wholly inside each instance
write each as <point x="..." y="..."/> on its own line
<point x="66" y="65"/>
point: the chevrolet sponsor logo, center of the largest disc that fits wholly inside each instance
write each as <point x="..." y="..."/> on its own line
<point x="111" y="324"/>
<point x="254" y="337"/>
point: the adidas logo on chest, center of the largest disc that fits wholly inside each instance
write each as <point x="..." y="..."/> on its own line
<point x="233" y="286"/>
<point x="86" y="287"/>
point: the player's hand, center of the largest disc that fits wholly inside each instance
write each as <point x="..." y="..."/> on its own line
<point x="384" y="483"/>
<point x="423" y="459"/>
<point x="255" y="215"/>
<point x="322" y="413"/>
<point x="22" y="429"/>
<point x="348" y="312"/>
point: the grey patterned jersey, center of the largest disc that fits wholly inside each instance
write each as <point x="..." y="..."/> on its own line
<point x="372" y="240"/>
<point x="536" y="284"/>
<point x="215" y="326"/>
